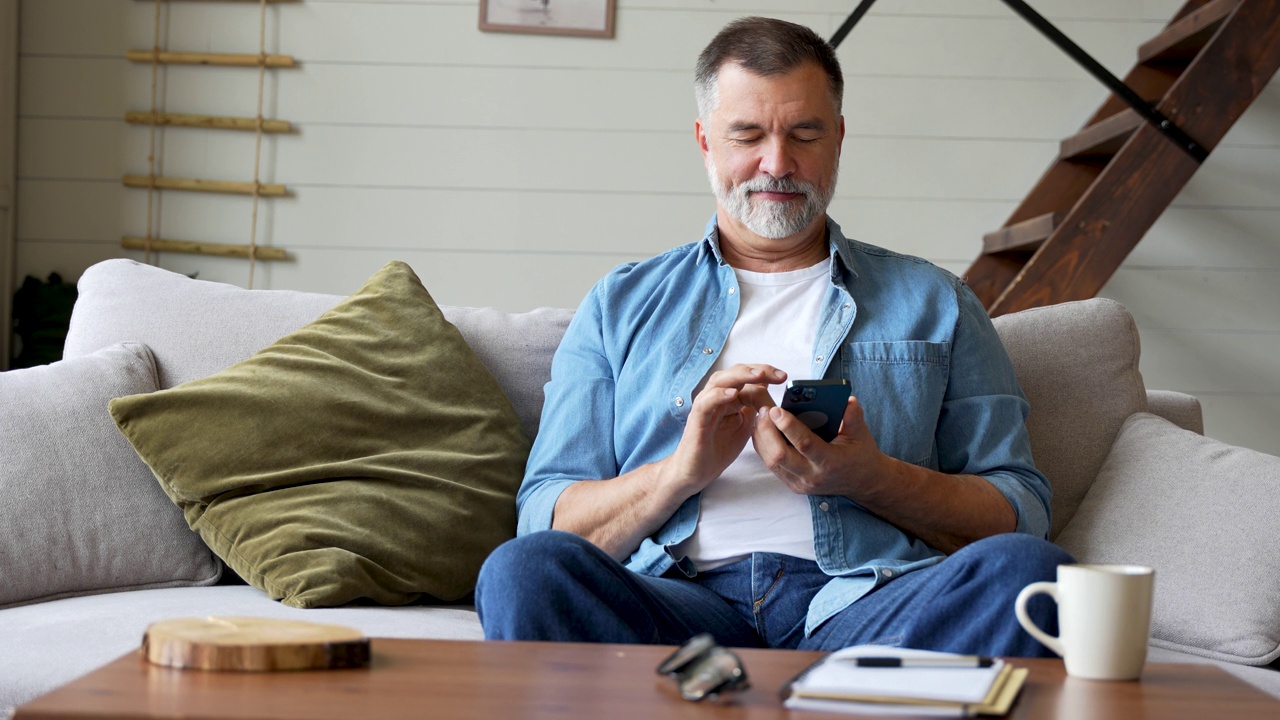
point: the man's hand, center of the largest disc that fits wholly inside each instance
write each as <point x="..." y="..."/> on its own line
<point x="810" y="466"/>
<point x="722" y="419"/>
<point x="616" y="514"/>
<point x="945" y="511"/>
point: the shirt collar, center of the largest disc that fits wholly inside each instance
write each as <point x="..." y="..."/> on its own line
<point x="841" y="246"/>
<point x="711" y="242"/>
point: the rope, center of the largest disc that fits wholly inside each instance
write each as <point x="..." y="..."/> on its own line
<point x="257" y="145"/>
<point x="151" y="154"/>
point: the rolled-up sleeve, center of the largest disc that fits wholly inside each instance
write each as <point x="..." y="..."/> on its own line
<point x="982" y="429"/>
<point x="575" y="436"/>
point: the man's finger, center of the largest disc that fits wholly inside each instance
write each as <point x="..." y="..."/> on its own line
<point x="797" y="433"/>
<point x="715" y="404"/>
<point x="775" y="447"/>
<point x="793" y="481"/>
<point x="769" y="442"/>
<point x="853" y="422"/>
<point x="712" y="409"/>
<point x="757" y="396"/>
<point x="746" y="374"/>
<point x="714" y="400"/>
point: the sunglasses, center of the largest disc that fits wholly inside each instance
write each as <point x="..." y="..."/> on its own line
<point x="703" y="669"/>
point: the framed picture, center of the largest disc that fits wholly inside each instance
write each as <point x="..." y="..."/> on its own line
<point x="584" y="18"/>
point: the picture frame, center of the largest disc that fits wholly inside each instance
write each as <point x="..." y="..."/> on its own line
<point x="579" y="18"/>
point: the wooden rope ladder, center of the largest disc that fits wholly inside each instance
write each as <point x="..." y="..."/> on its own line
<point x="151" y="152"/>
<point x="257" y="141"/>
<point x="259" y="124"/>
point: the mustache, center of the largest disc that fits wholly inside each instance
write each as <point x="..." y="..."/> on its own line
<point x="783" y="185"/>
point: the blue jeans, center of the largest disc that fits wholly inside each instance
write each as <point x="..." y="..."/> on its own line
<point x="554" y="585"/>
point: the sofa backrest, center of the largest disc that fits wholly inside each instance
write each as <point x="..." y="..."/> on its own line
<point x="517" y="349"/>
<point x="196" y="328"/>
<point x="1077" y="362"/>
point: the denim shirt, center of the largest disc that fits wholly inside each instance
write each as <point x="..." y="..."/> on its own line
<point x="935" y="383"/>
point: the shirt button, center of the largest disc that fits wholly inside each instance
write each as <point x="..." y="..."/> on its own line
<point x="707" y="351"/>
<point x="888" y="573"/>
<point x="679" y="402"/>
<point x="818" y="359"/>
<point x="823" y="506"/>
<point x="846" y="306"/>
<point x="733" y="290"/>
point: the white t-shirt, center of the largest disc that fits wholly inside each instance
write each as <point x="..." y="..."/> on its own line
<point x="748" y="509"/>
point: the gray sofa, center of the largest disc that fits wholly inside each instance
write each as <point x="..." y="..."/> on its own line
<point x="1117" y="454"/>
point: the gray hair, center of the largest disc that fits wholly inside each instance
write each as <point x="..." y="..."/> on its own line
<point x="764" y="46"/>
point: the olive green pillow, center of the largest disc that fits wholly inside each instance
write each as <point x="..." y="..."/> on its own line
<point x="368" y="455"/>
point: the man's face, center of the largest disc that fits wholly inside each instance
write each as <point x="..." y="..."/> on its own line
<point x="772" y="147"/>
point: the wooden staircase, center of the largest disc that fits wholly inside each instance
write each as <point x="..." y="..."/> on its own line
<point x="1113" y="179"/>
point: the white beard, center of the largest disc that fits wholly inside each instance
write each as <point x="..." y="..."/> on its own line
<point x="769" y="218"/>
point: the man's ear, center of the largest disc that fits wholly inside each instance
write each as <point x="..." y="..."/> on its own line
<point x="700" y="132"/>
<point x="840" y="145"/>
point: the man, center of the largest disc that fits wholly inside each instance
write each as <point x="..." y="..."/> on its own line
<point x="680" y="499"/>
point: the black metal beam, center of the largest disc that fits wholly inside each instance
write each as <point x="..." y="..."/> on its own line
<point x="1082" y="58"/>
<point x="1114" y="84"/>
<point x="849" y="22"/>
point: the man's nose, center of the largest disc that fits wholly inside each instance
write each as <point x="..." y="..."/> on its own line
<point x="776" y="159"/>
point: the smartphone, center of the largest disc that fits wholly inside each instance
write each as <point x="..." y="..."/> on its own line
<point x="819" y="404"/>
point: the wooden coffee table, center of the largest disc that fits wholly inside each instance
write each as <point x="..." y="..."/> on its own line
<point x="457" y="679"/>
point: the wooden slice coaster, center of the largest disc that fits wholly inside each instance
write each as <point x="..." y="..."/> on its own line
<point x="253" y="644"/>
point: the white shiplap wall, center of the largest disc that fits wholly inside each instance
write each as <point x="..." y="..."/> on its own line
<point x="514" y="170"/>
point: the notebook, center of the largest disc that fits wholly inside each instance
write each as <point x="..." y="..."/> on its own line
<point x="837" y="684"/>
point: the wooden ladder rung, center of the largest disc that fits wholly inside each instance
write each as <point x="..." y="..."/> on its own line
<point x="1183" y="39"/>
<point x="164" y="57"/>
<point x="200" y="185"/>
<point x="1021" y="237"/>
<point x="1103" y="138"/>
<point x="203" y="248"/>
<point x="207" y="121"/>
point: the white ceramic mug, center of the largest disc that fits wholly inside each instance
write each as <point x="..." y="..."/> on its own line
<point x="1104" y="619"/>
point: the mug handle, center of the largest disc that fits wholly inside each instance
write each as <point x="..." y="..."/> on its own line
<point x="1020" y="609"/>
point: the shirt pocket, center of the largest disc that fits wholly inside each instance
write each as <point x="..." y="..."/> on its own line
<point x="901" y="386"/>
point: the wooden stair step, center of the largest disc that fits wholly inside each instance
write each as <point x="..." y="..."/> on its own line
<point x="1207" y="67"/>
<point x="1101" y="139"/>
<point x="1182" y="40"/>
<point x="1022" y="237"/>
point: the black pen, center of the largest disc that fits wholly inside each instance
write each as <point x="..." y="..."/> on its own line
<point x="961" y="661"/>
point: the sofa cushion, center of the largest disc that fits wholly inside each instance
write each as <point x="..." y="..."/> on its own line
<point x="196" y="328"/>
<point x="80" y="512"/>
<point x="1077" y="362"/>
<point x="1266" y="679"/>
<point x="367" y="455"/>
<point x="1203" y="514"/>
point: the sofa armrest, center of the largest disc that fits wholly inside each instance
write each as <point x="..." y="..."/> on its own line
<point x="1178" y="408"/>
